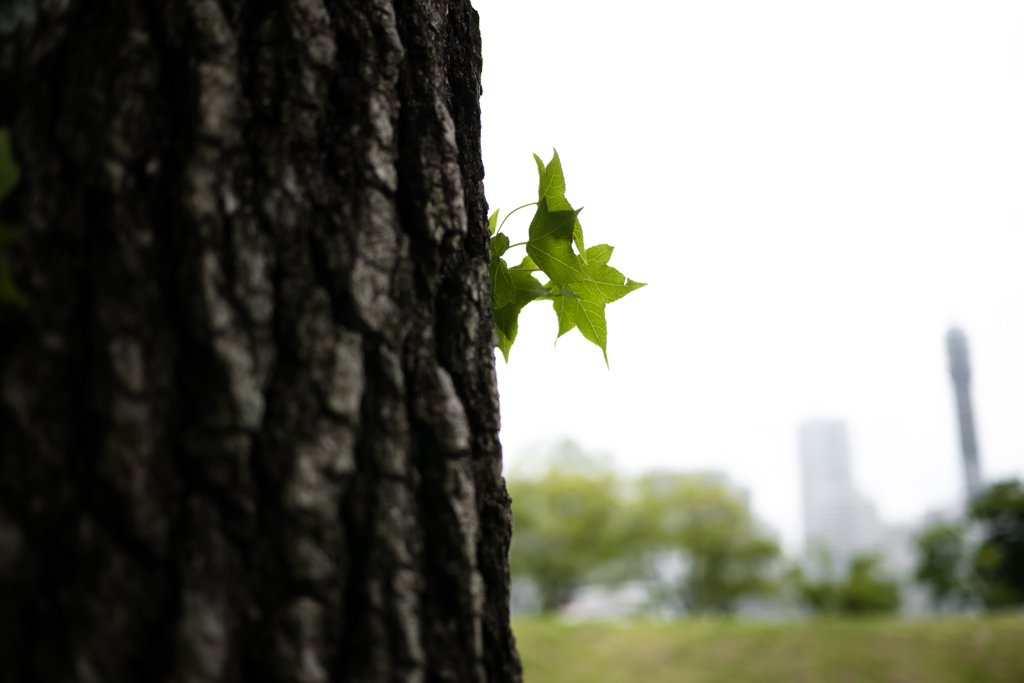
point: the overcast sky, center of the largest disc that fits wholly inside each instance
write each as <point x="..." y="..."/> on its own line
<point x="814" y="192"/>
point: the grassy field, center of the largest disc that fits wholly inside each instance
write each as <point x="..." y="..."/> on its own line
<point x="945" y="651"/>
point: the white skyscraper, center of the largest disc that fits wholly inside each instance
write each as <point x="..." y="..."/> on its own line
<point x="836" y="517"/>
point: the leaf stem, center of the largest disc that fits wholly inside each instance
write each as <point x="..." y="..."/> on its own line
<point x="518" y="244"/>
<point x="523" y="270"/>
<point x="509" y="214"/>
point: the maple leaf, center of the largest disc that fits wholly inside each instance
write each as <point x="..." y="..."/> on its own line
<point x="552" y="188"/>
<point x="601" y="286"/>
<point x="506" y="318"/>
<point x="587" y="316"/>
<point x="600" y="254"/>
<point x="503" y="288"/>
<point x="550" y="244"/>
<point x="499" y="245"/>
<point x="565" y="309"/>
<point x="581" y="284"/>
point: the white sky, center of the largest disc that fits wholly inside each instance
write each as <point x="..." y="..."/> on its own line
<point x="814" y="192"/>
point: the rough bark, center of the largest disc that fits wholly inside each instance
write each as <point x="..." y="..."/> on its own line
<point x="248" y="420"/>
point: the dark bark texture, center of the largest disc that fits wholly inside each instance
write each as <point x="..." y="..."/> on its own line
<point x="248" y="419"/>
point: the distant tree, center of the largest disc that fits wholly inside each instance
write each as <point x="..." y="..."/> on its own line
<point x="999" y="561"/>
<point x="943" y="564"/>
<point x="567" y="523"/>
<point x="863" y="590"/>
<point x="579" y="524"/>
<point x="727" y="553"/>
<point x="819" y="595"/>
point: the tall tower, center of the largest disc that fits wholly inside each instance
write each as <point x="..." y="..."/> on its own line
<point x="960" y="369"/>
<point x="836" y="517"/>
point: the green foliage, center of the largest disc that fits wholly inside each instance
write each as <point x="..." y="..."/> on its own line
<point x="863" y="591"/>
<point x="726" y="552"/>
<point x="580" y="283"/>
<point x="866" y="591"/>
<point x="506" y="318"/>
<point x="942" y="564"/>
<point x="999" y="561"/>
<point x="567" y="524"/>
<point x="991" y="568"/>
<point x="9" y="233"/>
<point x="579" y="524"/>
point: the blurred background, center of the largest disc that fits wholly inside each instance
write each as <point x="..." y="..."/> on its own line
<point x="823" y="197"/>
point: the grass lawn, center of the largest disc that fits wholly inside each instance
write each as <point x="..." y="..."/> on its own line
<point x="959" y="650"/>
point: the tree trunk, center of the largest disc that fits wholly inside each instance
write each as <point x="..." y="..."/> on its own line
<point x="248" y="417"/>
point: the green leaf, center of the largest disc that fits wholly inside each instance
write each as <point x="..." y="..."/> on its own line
<point x="591" y="323"/>
<point x="492" y="221"/>
<point x="588" y="316"/>
<point x="577" y="237"/>
<point x="552" y="188"/>
<point x="506" y="318"/>
<point x="552" y="184"/>
<point x="503" y="289"/>
<point x="600" y="282"/>
<point x="550" y="244"/>
<point x="565" y="310"/>
<point x="526" y="283"/>
<point x="603" y="284"/>
<point x="499" y="245"/>
<point x="600" y="254"/>
<point x="581" y="282"/>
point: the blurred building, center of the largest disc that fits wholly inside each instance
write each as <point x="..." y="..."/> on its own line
<point x="839" y="523"/>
